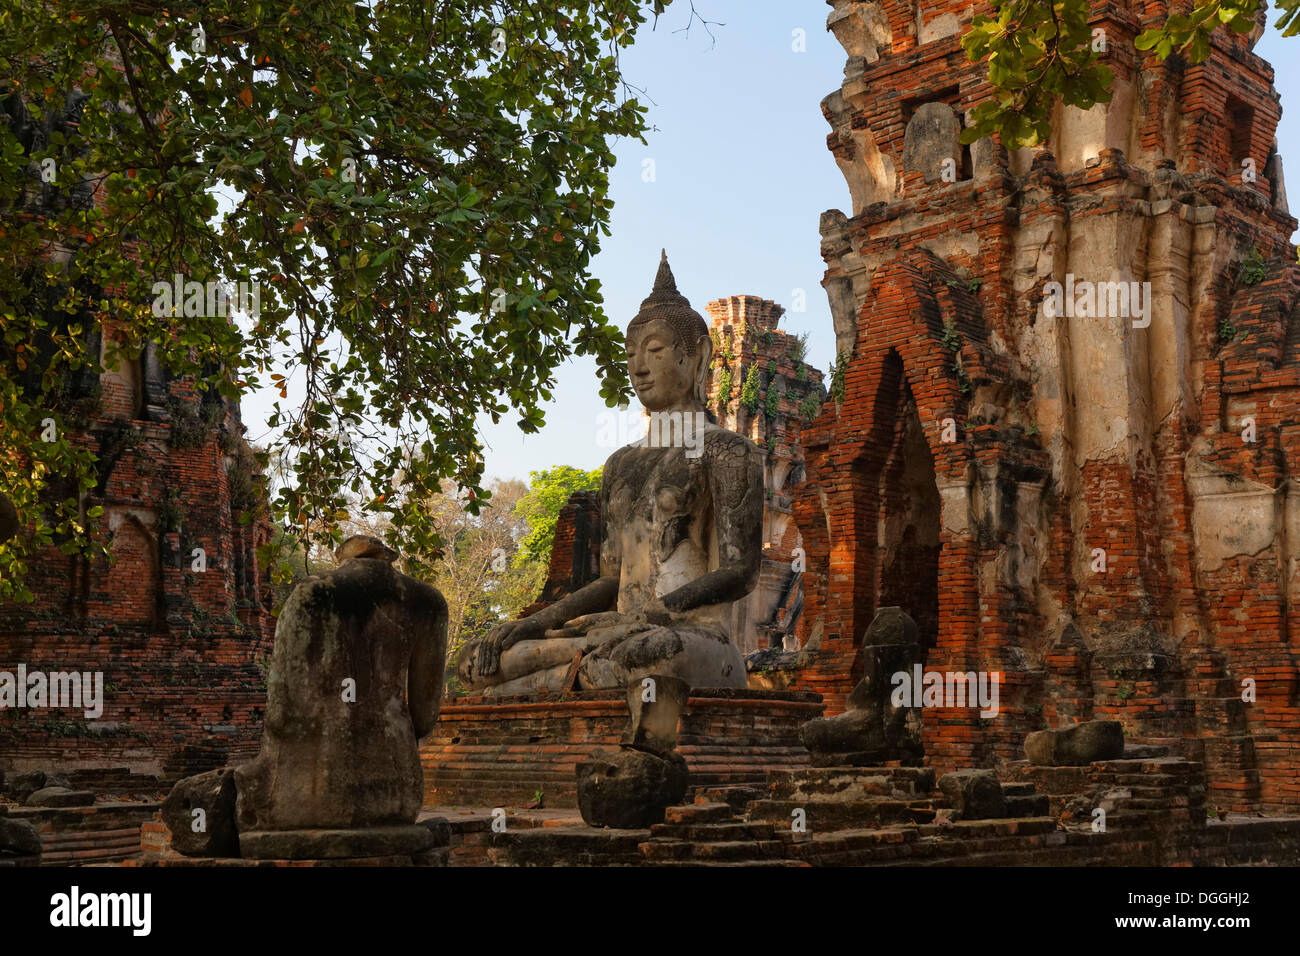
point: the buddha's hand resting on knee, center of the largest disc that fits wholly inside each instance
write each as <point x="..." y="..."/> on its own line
<point x="579" y="626"/>
<point x="487" y="654"/>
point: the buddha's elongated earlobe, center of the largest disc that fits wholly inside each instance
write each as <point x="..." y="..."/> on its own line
<point x="704" y="370"/>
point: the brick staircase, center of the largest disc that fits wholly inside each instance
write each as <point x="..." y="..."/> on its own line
<point x="894" y="816"/>
<point x="849" y="815"/>
<point x="1024" y="800"/>
<point x="711" y="834"/>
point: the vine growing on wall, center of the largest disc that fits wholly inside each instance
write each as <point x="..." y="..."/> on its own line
<point x="1253" y="270"/>
<point x="952" y="340"/>
<point x="837" y="377"/>
<point x="724" y="387"/>
<point x="749" y="391"/>
<point x="799" y="350"/>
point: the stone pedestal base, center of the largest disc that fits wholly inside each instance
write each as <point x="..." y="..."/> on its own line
<point x="630" y="789"/>
<point x="503" y="752"/>
<point x="334" y="844"/>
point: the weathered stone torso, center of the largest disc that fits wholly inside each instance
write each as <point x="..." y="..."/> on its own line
<point x="332" y="757"/>
<point x="665" y="498"/>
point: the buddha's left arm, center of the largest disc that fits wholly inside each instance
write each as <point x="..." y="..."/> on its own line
<point x="736" y="485"/>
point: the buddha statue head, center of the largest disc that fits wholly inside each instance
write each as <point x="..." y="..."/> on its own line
<point x="668" y="349"/>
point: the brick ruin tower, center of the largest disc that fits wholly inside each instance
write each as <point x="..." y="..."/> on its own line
<point x="179" y="649"/>
<point x="762" y="388"/>
<point x="1098" y="500"/>
<point x="178" y="633"/>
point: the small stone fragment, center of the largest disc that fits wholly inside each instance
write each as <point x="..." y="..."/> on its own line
<point x="211" y="833"/>
<point x="1076" y="745"/>
<point x="60" y="797"/>
<point x="631" y="789"/>
<point x="18" y="838"/>
<point x="974" y="794"/>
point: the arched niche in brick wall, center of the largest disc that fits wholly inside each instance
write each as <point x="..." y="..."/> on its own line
<point x="909" y="517"/>
<point x="121" y="382"/>
<point x="778" y="532"/>
<point x="780" y="471"/>
<point x="129" y="589"/>
<point x="885" y="509"/>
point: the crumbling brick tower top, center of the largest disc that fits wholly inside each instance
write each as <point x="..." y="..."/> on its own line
<point x="762" y="388"/>
<point x="1070" y="430"/>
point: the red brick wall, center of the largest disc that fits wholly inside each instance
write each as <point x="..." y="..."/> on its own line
<point x="179" y="650"/>
<point x="575" y="550"/>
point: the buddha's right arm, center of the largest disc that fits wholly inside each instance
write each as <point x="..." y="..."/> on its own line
<point x="600" y="595"/>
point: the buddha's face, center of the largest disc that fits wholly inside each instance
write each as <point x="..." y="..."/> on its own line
<point x="663" y="373"/>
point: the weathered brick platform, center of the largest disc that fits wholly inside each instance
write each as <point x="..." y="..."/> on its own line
<point x="76" y="836"/>
<point x="464" y="837"/>
<point x="502" y="752"/>
<point x="891" y="816"/>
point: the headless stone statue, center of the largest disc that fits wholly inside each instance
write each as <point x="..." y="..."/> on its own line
<point x="356" y="680"/>
<point x="872" y="730"/>
<point x="682" y="517"/>
<point x="631" y="788"/>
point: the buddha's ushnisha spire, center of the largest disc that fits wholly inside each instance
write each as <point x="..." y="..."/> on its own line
<point x="669" y="305"/>
<point x="664" y="281"/>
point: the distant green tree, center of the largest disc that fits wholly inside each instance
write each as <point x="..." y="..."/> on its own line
<point x="548" y="491"/>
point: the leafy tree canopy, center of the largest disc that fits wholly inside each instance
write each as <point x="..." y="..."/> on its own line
<point x="416" y="186"/>
<point x="548" y="491"/>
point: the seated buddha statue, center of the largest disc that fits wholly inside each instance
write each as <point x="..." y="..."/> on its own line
<point x="682" y="516"/>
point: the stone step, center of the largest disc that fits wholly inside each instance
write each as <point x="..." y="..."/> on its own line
<point x="1023" y="789"/>
<point x="1143" y="751"/>
<point x="990" y="829"/>
<point x="1028" y="804"/>
<point x="810" y="845"/>
<point x="658" y="850"/>
<point x="712" y="832"/>
<point x="700" y="813"/>
<point x="739" y="850"/>
<point x="828" y="815"/>
<point x="736" y="796"/>
<point x="733" y="863"/>
<point x="664" y="851"/>
<point x="576" y="845"/>
<point x="847" y="782"/>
